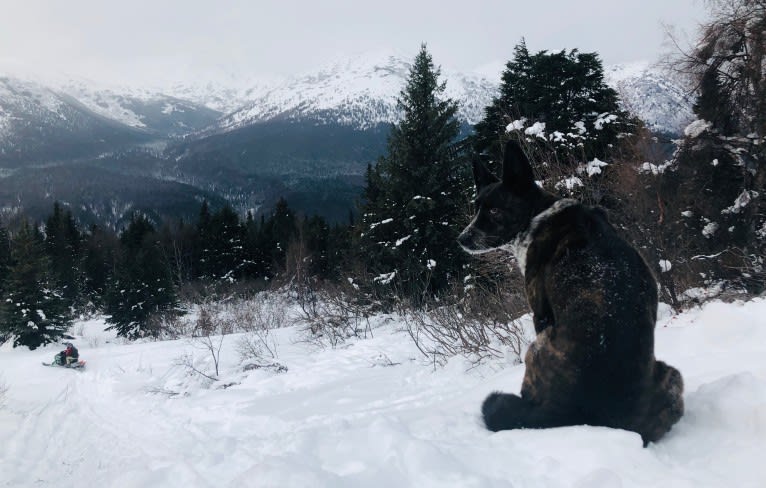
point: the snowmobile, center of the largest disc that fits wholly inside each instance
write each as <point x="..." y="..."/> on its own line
<point x="69" y="358"/>
<point x="80" y="364"/>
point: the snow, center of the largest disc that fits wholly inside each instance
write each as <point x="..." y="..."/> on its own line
<point x="516" y="125"/>
<point x="710" y="229"/>
<point x="655" y="169"/>
<point x="656" y="96"/>
<point x="536" y="129"/>
<point x="373" y="413"/>
<point x="696" y="128"/>
<point x="741" y="202"/>
<point x="359" y="91"/>
<point x="593" y="167"/>
<point x="569" y="183"/>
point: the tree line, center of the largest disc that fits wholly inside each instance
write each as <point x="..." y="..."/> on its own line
<point x="695" y="208"/>
<point x="52" y="272"/>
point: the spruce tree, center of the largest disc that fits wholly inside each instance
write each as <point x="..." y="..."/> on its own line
<point x="275" y="235"/>
<point x="142" y="287"/>
<point x="557" y="105"/>
<point x="99" y="253"/>
<point x="5" y="256"/>
<point x="415" y="197"/>
<point x="33" y="310"/>
<point x="62" y="244"/>
<point x="224" y="254"/>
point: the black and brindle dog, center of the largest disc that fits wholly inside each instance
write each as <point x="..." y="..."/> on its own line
<point x="594" y="301"/>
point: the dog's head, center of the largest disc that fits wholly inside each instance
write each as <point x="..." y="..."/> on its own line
<point x="504" y="207"/>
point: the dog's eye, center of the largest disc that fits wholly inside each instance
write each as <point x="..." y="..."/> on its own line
<point x="494" y="211"/>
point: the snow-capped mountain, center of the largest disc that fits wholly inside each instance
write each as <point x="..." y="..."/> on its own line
<point x="38" y="124"/>
<point x="142" y="108"/>
<point x="651" y="94"/>
<point x="358" y="91"/>
<point x="224" y="94"/>
<point x="63" y="118"/>
<point x="282" y="135"/>
<point x="361" y="92"/>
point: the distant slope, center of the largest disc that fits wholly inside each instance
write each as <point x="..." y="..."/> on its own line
<point x="156" y="112"/>
<point x="358" y="91"/>
<point x="40" y="125"/>
<point x="652" y="95"/>
<point x="99" y="195"/>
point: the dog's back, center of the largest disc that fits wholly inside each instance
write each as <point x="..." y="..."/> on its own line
<point x="594" y="301"/>
<point x="602" y="297"/>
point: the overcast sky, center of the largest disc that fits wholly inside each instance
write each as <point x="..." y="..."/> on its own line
<point x="135" y="40"/>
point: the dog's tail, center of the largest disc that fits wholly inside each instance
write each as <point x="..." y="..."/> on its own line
<point x="505" y="411"/>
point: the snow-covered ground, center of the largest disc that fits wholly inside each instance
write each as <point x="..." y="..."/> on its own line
<point x="370" y="413"/>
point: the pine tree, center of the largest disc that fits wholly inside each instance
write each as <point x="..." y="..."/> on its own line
<point x="62" y="244"/>
<point x="556" y="104"/>
<point x="5" y="256"/>
<point x="415" y="197"/>
<point x="142" y="287"/>
<point x="32" y="309"/>
<point x="224" y="255"/>
<point x="98" y="260"/>
<point x="275" y="236"/>
<point x="5" y="264"/>
<point x="203" y="241"/>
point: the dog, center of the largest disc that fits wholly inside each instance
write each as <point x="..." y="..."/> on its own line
<point x="594" y="305"/>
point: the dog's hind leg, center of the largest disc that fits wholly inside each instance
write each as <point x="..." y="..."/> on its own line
<point x="667" y="403"/>
<point x="506" y="411"/>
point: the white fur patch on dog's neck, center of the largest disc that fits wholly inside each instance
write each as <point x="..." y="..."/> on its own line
<point x="519" y="246"/>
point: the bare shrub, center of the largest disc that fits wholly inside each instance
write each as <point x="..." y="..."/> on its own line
<point x="257" y="318"/>
<point x="334" y="313"/>
<point x="483" y="320"/>
<point x="210" y="331"/>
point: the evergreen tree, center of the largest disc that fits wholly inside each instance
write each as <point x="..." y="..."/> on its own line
<point x="5" y="256"/>
<point x="141" y="288"/>
<point x="62" y="244"/>
<point x="415" y="197"/>
<point x="556" y="104"/>
<point x="99" y="253"/>
<point x="275" y="235"/>
<point x="253" y="254"/>
<point x="204" y="241"/>
<point x="224" y="255"/>
<point x="32" y="308"/>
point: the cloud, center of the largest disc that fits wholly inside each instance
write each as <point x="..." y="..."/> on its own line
<point x="157" y="39"/>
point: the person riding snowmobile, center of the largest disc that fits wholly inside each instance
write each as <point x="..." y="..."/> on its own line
<point x="67" y="356"/>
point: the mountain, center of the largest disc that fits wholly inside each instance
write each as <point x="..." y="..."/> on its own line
<point x="98" y="195"/>
<point x="153" y="111"/>
<point x="248" y="140"/>
<point x="40" y="125"/>
<point x="48" y="122"/>
<point x="358" y="92"/>
<point x="653" y="95"/>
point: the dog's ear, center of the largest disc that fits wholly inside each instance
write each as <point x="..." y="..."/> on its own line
<point x="481" y="175"/>
<point x="517" y="172"/>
